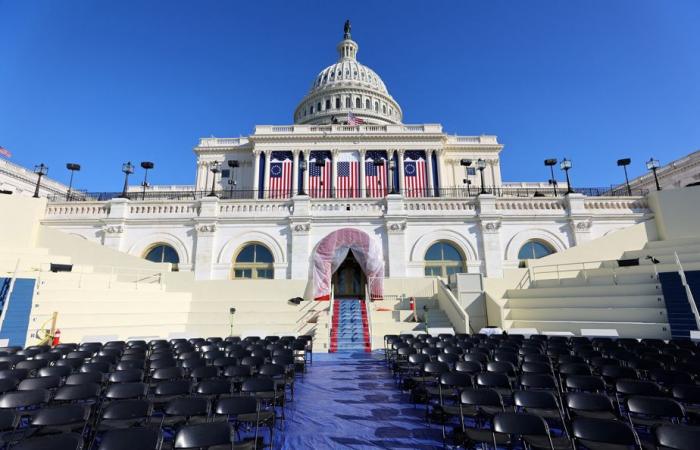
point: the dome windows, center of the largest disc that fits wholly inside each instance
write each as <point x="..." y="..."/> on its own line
<point x="368" y="104"/>
<point x="337" y="103"/>
<point x="328" y="104"/>
<point x="383" y="109"/>
<point x="358" y="103"/>
<point x="318" y="106"/>
<point x="376" y="106"/>
<point x="348" y="102"/>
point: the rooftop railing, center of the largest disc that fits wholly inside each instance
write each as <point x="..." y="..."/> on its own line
<point x="325" y="194"/>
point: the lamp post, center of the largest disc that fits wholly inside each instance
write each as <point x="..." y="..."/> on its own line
<point x="392" y="168"/>
<point x="41" y="170"/>
<point x="551" y="162"/>
<point x="653" y="165"/>
<point x="128" y="169"/>
<point x="566" y="165"/>
<point x="215" y="168"/>
<point x="624" y="162"/>
<point x="481" y="165"/>
<point x="303" y="166"/>
<point x="146" y="165"/>
<point x="466" y="163"/>
<point x="73" y="167"/>
<point x="232" y="163"/>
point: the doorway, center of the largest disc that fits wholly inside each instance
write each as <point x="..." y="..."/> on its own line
<point x="349" y="280"/>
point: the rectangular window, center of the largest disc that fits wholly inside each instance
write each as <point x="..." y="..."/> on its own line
<point x="432" y="271"/>
<point x="244" y="273"/>
<point x="264" y="273"/>
<point x="471" y="171"/>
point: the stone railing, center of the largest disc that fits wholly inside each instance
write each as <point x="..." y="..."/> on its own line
<point x="440" y="206"/>
<point x="70" y="210"/>
<point x="261" y="130"/>
<point x="163" y="209"/>
<point x="484" y="139"/>
<point x="257" y="208"/>
<point x="222" y="142"/>
<point x="348" y="207"/>
<point x="529" y="205"/>
<point x="621" y="204"/>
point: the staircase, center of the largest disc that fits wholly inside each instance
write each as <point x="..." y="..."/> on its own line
<point x="350" y="332"/>
<point x="680" y="314"/>
<point x="15" y="322"/>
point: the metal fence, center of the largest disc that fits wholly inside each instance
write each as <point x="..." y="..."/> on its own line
<point x="239" y="194"/>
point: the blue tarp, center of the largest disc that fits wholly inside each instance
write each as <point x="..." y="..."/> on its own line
<point x="349" y="400"/>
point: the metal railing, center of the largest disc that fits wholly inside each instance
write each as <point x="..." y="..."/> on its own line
<point x="108" y="276"/>
<point x="327" y="193"/>
<point x="688" y="291"/>
<point x="452" y="308"/>
<point x="368" y="309"/>
<point x="331" y="301"/>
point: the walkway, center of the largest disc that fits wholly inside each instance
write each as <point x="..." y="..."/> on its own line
<point x="349" y="400"/>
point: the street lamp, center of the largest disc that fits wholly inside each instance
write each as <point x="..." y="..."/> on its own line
<point x="481" y="165"/>
<point x="73" y="168"/>
<point x="466" y="163"/>
<point x="304" y="166"/>
<point x="653" y="165"/>
<point x="146" y="166"/>
<point x="551" y="162"/>
<point x="392" y="168"/>
<point x="128" y="169"/>
<point x="215" y="168"/>
<point x="232" y="163"/>
<point x="566" y="165"/>
<point x="624" y="162"/>
<point x="41" y="170"/>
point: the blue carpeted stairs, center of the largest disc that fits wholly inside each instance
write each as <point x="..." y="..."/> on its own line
<point x="680" y="315"/>
<point x="350" y="335"/>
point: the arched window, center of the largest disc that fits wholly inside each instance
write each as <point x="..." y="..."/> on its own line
<point x="328" y="104"/>
<point x="163" y="253"/>
<point x="358" y="103"/>
<point x="348" y="103"/>
<point x="318" y="106"/>
<point x="368" y="105"/>
<point x="443" y="259"/>
<point x="253" y="261"/>
<point x="534" y="250"/>
<point x="376" y="106"/>
<point x="337" y="103"/>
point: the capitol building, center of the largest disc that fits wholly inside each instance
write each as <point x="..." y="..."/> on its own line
<point x="348" y="201"/>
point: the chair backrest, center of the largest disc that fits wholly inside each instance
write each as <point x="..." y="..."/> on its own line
<point x="86" y="391"/>
<point x="588" y="402"/>
<point x="126" y="409"/>
<point x="126" y="391"/>
<point x="481" y="397"/>
<point x="213" y="387"/>
<point x="83" y="378"/>
<point x="60" y="415"/>
<point x="65" y="441"/>
<point x="535" y="399"/>
<point x="203" y="435"/>
<point x="232" y="406"/>
<point x="493" y="379"/>
<point x="587" y="383"/>
<point x="636" y="387"/>
<point x="126" y="376"/>
<point x="455" y="379"/>
<point x="520" y="424"/>
<point x="61" y="371"/>
<point x="24" y="399"/>
<point x="471" y="367"/>
<point x="687" y="393"/>
<point x="168" y="373"/>
<point x="190" y="406"/>
<point x="258" y="384"/>
<point x="147" y="438"/>
<point x="604" y="431"/>
<point x="677" y="437"/>
<point x="537" y="381"/>
<point x="30" y="384"/>
<point x="655" y="406"/>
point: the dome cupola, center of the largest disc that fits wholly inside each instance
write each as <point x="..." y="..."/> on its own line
<point x="348" y="87"/>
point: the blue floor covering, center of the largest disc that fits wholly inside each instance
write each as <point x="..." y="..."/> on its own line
<point x="349" y="400"/>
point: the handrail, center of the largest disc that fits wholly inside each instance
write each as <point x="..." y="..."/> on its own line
<point x="8" y="294"/>
<point x="368" y="306"/>
<point x="688" y="292"/>
<point x="454" y="304"/>
<point x="331" y="300"/>
<point x="114" y="273"/>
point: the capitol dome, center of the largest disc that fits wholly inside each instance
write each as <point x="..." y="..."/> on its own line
<point x="347" y="87"/>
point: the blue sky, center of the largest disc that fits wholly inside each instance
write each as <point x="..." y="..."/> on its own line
<point x="100" y="82"/>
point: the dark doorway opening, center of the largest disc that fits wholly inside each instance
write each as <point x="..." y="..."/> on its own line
<point x="349" y="280"/>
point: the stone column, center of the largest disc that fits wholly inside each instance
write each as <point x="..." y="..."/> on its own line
<point x="205" y="238"/>
<point x="266" y="175"/>
<point x="395" y="226"/>
<point x="363" y="186"/>
<point x="441" y="169"/>
<point x="490" y="223"/>
<point x="114" y="226"/>
<point x="307" y="157"/>
<point x="300" y="232"/>
<point x="256" y="172"/>
<point x="579" y="220"/>
<point x="429" y="166"/>
<point x="295" y="173"/>
<point x="400" y="168"/>
<point x="334" y="176"/>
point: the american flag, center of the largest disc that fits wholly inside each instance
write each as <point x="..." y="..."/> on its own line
<point x="320" y="176"/>
<point x="414" y="182"/>
<point x="375" y="176"/>
<point x="5" y="152"/>
<point x="348" y="174"/>
<point x="353" y="120"/>
<point x="280" y="175"/>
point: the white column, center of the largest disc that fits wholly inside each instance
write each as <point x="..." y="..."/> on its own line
<point x="401" y="170"/>
<point x="429" y="162"/>
<point x="114" y="226"/>
<point x="300" y="227"/>
<point x="205" y="238"/>
<point x="334" y="176"/>
<point x="266" y="175"/>
<point x="363" y="153"/>
<point x="490" y="222"/>
<point x="441" y="169"/>
<point x="295" y="172"/>
<point x="307" y="156"/>
<point x="256" y="172"/>
<point x="395" y="225"/>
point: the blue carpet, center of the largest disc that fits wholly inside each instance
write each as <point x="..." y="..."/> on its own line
<point x="349" y="400"/>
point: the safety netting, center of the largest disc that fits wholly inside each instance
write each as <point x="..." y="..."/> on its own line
<point x="332" y="251"/>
